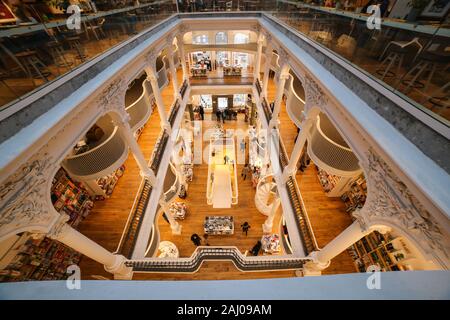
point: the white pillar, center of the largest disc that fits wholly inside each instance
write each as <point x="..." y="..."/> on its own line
<point x="173" y="70"/>
<point x="268" y="224"/>
<point x="291" y="168"/>
<point x="258" y="59"/>
<point x="174" y="225"/>
<point x="269" y="53"/>
<point x="279" y="95"/>
<point x="67" y="235"/>
<point x="182" y="57"/>
<point x="355" y="232"/>
<point x="152" y="76"/>
<point x="128" y="136"/>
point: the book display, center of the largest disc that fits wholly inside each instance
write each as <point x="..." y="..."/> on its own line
<point x="168" y="249"/>
<point x="387" y="252"/>
<point x="271" y="244"/>
<point x="219" y="225"/>
<point x="178" y="210"/>
<point x="356" y="196"/>
<point x="328" y="181"/>
<point x="334" y="186"/>
<point x="70" y="197"/>
<point x="108" y="183"/>
<point x="229" y="71"/>
<point x="39" y="259"/>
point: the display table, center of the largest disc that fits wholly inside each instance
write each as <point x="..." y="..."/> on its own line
<point x="199" y="71"/>
<point x="271" y="243"/>
<point x="219" y="225"/>
<point x="168" y="249"/>
<point x="178" y="210"/>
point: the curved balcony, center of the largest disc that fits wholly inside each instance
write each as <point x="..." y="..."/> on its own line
<point x="274" y="65"/>
<point x="162" y="66"/>
<point x="171" y="189"/>
<point x="101" y="159"/>
<point x="295" y="103"/>
<point x="328" y="149"/>
<point x="138" y="102"/>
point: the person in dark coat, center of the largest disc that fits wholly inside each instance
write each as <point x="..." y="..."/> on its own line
<point x="195" y="238"/>
<point x="201" y="111"/>
<point x="245" y="226"/>
<point x="256" y="248"/>
<point x="218" y="113"/>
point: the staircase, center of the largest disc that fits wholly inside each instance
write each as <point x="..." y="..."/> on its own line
<point x="265" y="188"/>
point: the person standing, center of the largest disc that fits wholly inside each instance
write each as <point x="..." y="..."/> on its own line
<point x="201" y="111"/>
<point x="245" y="171"/>
<point x="245" y="226"/>
<point x="218" y="115"/>
<point x="243" y="145"/>
<point x="195" y="238"/>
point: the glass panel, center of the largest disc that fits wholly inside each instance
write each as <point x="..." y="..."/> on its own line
<point x="409" y="57"/>
<point x="40" y="42"/>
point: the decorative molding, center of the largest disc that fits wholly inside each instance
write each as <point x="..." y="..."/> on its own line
<point x="59" y="226"/>
<point x="314" y="94"/>
<point x="283" y="57"/>
<point x="24" y="198"/>
<point x="113" y="96"/>
<point x="390" y="200"/>
<point x="182" y="29"/>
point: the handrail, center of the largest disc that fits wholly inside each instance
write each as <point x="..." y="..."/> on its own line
<point x="183" y="88"/>
<point x="302" y="220"/>
<point x="173" y="112"/>
<point x="193" y="263"/>
<point x="134" y="223"/>
<point x="158" y="152"/>
<point x="266" y="109"/>
<point x="258" y="86"/>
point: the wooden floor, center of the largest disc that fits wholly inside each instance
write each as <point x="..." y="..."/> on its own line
<point x="244" y="211"/>
<point x="107" y="220"/>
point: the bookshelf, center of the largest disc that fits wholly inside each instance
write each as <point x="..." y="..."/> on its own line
<point x="70" y="197"/>
<point x="355" y="197"/>
<point x="334" y="186"/>
<point x="386" y="251"/>
<point x="36" y="257"/>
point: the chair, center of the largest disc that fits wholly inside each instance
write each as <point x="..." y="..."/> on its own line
<point x="33" y="65"/>
<point x="75" y="45"/>
<point x="427" y="63"/>
<point x="395" y="52"/>
<point x="57" y="52"/>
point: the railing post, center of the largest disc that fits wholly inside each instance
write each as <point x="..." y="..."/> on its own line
<point x="257" y="70"/>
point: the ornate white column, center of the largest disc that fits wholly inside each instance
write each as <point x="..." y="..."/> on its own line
<point x="355" y="232"/>
<point x="291" y="168"/>
<point x="67" y="235"/>
<point x="123" y="123"/>
<point x="174" y="225"/>
<point x="182" y="55"/>
<point x="284" y="75"/>
<point x="268" y="53"/>
<point x="152" y="77"/>
<point x="257" y="70"/>
<point x="268" y="224"/>
<point x="173" y="70"/>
